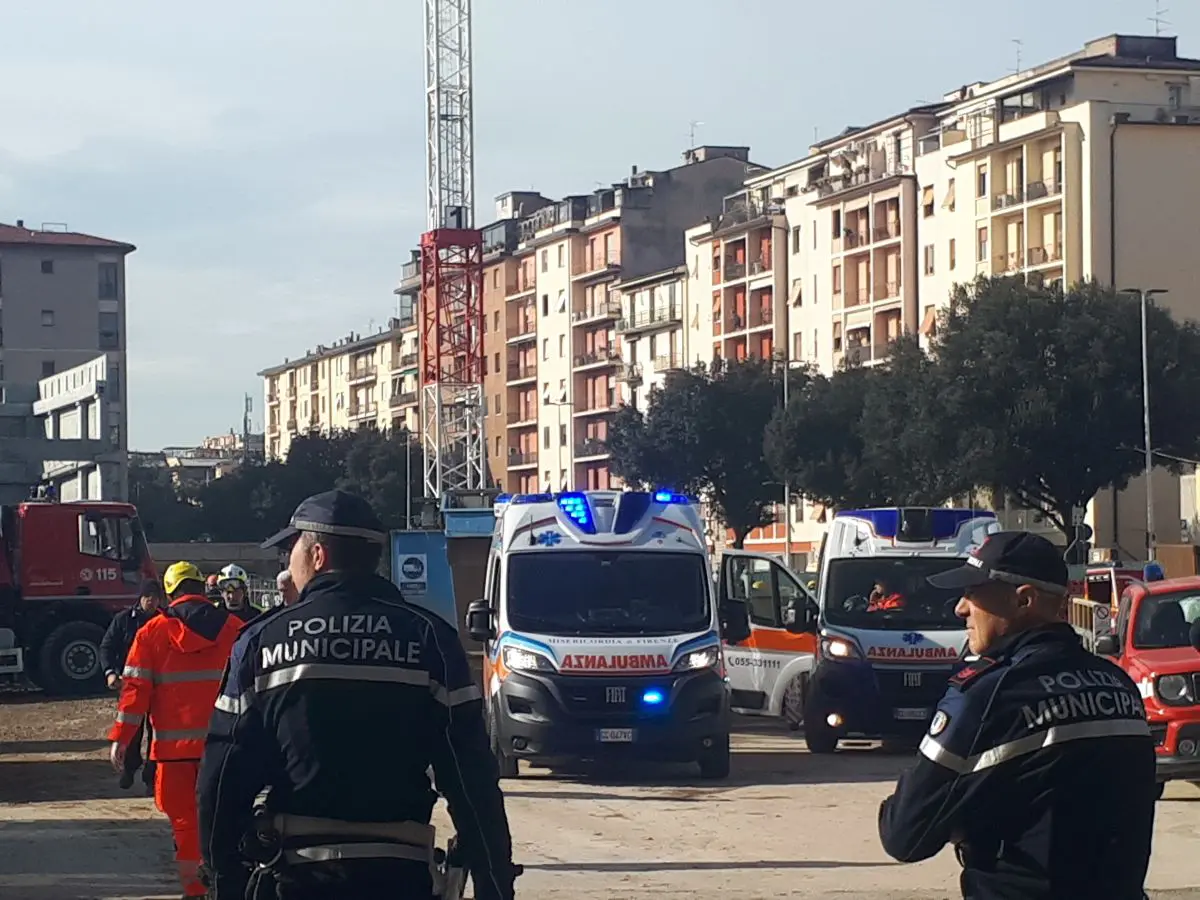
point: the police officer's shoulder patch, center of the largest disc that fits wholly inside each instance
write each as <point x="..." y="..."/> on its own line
<point x="973" y="670"/>
<point x="939" y="723"/>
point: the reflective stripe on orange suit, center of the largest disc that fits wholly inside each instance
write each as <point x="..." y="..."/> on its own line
<point x="173" y="675"/>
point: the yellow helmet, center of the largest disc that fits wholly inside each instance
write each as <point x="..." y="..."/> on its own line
<point x="178" y="573"/>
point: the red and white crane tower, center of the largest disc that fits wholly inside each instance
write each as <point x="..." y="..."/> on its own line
<point x="451" y="305"/>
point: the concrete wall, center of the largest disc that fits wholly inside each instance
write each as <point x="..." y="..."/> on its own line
<point x="212" y="557"/>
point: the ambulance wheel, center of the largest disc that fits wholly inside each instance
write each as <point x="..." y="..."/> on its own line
<point x="69" y="660"/>
<point x="818" y="736"/>
<point x="505" y="763"/>
<point x="793" y="703"/>
<point x="714" y="761"/>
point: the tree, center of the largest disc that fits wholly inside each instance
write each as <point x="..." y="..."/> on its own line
<point x="376" y="467"/>
<point x="702" y="433"/>
<point x="1041" y="390"/>
<point x="166" y="514"/>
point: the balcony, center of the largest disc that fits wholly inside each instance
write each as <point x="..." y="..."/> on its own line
<point x="887" y="232"/>
<point x="526" y="416"/>
<point x="410" y="273"/>
<point x="522" y="460"/>
<point x="408" y="361"/>
<point x="734" y="271"/>
<point x="360" y="374"/>
<point x="858" y="354"/>
<point x="603" y="357"/>
<point x="854" y="240"/>
<point x="364" y="410"/>
<point x="630" y="373"/>
<point x="1040" y="256"/>
<point x="591" y="407"/>
<point x="591" y="447"/>
<point x="525" y="283"/>
<point x="291" y="391"/>
<point x="273" y="397"/>
<point x="291" y="425"/>
<point x="887" y="290"/>
<point x="860" y="177"/>
<point x="1009" y="262"/>
<point x="760" y="267"/>
<point x="1013" y="196"/>
<point x="1042" y="190"/>
<point x="523" y="327"/>
<point x="273" y="428"/>
<point x="521" y="372"/>
<point x="597" y="265"/>
<point x="607" y="309"/>
<point x="407" y="398"/>
<point x="667" y="363"/>
<point x="651" y="318"/>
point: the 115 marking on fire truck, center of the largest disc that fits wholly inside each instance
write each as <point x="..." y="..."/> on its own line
<point x="102" y="574"/>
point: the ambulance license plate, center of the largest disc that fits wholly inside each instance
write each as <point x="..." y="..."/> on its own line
<point x="911" y="713"/>
<point x="614" y="735"/>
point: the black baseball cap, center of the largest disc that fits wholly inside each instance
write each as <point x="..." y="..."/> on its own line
<point x="332" y="512"/>
<point x="151" y="587"/>
<point x="1014" y="557"/>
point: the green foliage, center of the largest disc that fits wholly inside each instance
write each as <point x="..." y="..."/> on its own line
<point x="702" y="434"/>
<point x="256" y="500"/>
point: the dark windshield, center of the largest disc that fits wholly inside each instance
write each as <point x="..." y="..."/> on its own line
<point x="1164" y="620"/>
<point x="600" y="592"/>
<point x="891" y="594"/>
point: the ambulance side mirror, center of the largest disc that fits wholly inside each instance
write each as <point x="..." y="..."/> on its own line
<point x="800" y="616"/>
<point x="735" y="621"/>
<point x="479" y="621"/>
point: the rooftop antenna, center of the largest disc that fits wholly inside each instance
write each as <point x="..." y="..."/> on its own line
<point x="1019" y="44"/>
<point x="1159" y="22"/>
<point x="692" y="126"/>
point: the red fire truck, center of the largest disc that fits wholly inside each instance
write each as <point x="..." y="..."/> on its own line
<point x="65" y="569"/>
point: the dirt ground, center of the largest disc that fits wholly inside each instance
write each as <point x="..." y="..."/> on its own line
<point x="785" y="824"/>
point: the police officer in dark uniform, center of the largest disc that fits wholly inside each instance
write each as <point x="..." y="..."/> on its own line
<point x="1038" y="765"/>
<point x="338" y="705"/>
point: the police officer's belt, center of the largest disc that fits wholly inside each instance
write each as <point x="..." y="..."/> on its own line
<point x="355" y="840"/>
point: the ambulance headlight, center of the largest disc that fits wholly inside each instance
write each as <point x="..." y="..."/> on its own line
<point x="694" y="661"/>
<point x="518" y="659"/>
<point x="839" y="649"/>
<point x="1175" y="690"/>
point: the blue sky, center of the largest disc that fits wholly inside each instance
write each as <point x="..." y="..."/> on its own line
<point x="267" y="157"/>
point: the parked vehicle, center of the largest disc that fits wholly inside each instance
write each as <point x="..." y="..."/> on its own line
<point x="65" y="569"/>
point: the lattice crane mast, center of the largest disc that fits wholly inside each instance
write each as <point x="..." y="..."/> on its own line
<point x="451" y="305"/>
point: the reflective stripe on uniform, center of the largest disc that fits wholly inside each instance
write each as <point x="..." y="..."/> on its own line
<point x="364" y="850"/>
<point x="137" y="672"/>
<point x="181" y="734"/>
<point x="336" y="672"/>
<point x="235" y="705"/>
<point x="130" y="718"/>
<point x="456" y="697"/>
<point x="1059" y="734"/>
<point x="179" y="677"/>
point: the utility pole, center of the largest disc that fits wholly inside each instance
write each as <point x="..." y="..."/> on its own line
<point x="1144" y="297"/>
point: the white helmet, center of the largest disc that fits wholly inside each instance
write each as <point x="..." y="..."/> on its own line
<point x="233" y="574"/>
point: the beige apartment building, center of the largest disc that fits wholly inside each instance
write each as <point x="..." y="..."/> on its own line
<point x="359" y="381"/>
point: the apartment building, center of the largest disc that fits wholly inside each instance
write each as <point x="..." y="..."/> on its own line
<point x="62" y="303"/>
<point x="654" y="334"/>
<point x="358" y="381"/>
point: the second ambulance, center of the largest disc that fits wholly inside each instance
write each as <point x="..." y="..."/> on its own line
<point x="600" y="630"/>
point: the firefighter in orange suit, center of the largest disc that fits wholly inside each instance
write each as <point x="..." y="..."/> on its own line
<point x="173" y="674"/>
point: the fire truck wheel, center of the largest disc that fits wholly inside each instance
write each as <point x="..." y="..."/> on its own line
<point x="69" y="661"/>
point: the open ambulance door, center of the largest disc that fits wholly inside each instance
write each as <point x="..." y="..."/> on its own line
<point x="761" y="666"/>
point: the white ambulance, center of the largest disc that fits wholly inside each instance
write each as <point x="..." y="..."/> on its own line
<point x="600" y="626"/>
<point x="887" y="640"/>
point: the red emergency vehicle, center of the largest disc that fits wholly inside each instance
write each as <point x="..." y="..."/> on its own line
<point x="1156" y="623"/>
<point x="65" y="569"/>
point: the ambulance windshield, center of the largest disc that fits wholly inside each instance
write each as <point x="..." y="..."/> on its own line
<point x="891" y="594"/>
<point x="600" y="592"/>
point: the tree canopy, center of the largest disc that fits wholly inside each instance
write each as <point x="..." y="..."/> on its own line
<point x="256" y="500"/>
<point x="702" y="433"/>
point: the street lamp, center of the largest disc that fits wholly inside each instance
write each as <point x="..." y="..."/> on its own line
<point x="781" y="356"/>
<point x="1144" y="296"/>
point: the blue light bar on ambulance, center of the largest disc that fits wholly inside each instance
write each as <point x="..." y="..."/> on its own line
<point x="916" y="524"/>
<point x="669" y="497"/>
<point x="503" y="498"/>
<point x="575" y="505"/>
<point x="519" y="499"/>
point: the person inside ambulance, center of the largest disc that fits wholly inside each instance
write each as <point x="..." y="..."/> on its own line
<point x="883" y="599"/>
<point x="1038" y="764"/>
<point x="339" y="705"/>
<point x="171" y="679"/>
<point x="235" y="592"/>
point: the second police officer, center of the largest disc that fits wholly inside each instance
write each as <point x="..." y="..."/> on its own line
<point x="1038" y="765"/>
<point x="338" y="705"/>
